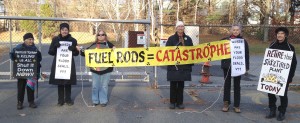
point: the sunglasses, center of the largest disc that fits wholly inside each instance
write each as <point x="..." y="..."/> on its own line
<point x="101" y="35"/>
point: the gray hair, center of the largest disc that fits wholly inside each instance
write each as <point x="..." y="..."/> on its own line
<point x="238" y="25"/>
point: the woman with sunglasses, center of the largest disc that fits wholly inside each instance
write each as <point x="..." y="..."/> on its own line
<point x="100" y="76"/>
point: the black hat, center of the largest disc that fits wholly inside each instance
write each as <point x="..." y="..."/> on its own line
<point x="62" y="25"/>
<point x="283" y="29"/>
<point x="27" y="35"/>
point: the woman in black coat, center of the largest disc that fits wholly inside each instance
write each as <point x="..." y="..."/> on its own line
<point x="177" y="74"/>
<point x="226" y="66"/>
<point x="64" y="86"/>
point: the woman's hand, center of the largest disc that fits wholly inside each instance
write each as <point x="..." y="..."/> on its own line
<point x="78" y="48"/>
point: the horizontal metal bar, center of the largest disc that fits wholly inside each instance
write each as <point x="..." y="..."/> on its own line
<point x="226" y="25"/>
<point x="140" y="21"/>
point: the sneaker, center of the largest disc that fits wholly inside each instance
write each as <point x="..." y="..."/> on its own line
<point x="237" y="109"/>
<point x="32" y="105"/>
<point x="19" y="106"/>
<point x="103" y="105"/>
<point x="172" y="106"/>
<point x="280" y="116"/>
<point x="70" y="103"/>
<point x="60" y="104"/>
<point x="226" y="106"/>
<point x="180" y="106"/>
<point x="95" y="104"/>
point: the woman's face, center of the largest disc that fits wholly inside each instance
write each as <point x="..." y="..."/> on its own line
<point x="235" y="30"/>
<point x="101" y="36"/>
<point x="29" y="41"/>
<point x="64" y="31"/>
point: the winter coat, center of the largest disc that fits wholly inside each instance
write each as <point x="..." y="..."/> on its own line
<point x="289" y="47"/>
<point x="28" y="48"/>
<point x="94" y="46"/>
<point x="52" y="51"/>
<point x="179" y="72"/>
<point x="226" y="63"/>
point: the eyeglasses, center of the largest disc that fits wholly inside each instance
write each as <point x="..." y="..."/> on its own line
<point x="101" y="35"/>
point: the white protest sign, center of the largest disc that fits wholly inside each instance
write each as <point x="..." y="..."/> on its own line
<point x="275" y="71"/>
<point x="238" y="62"/>
<point x="63" y="61"/>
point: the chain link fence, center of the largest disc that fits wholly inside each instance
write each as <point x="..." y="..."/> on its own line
<point x="121" y="33"/>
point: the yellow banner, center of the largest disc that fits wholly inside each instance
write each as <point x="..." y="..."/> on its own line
<point x="157" y="56"/>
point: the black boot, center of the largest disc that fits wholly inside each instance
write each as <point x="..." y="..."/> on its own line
<point x="271" y="114"/>
<point x="281" y="116"/>
<point x="172" y="106"/>
<point x="32" y="105"/>
<point x="20" y="105"/>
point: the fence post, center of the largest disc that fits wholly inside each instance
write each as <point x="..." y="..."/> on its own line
<point x="40" y="34"/>
<point x="10" y="48"/>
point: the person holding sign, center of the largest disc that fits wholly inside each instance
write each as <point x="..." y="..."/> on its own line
<point x="282" y="44"/>
<point x="226" y="65"/>
<point x="30" y="51"/>
<point x="100" y="76"/>
<point x="63" y="71"/>
<point x="177" y="74"/>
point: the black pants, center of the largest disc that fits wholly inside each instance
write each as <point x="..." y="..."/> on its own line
<point x="227" y="87"/>
<point x="176" y="92"/>
<point x="283" y="100"/>
<point x="64" y="93"/>
<point x="21" y="91"/>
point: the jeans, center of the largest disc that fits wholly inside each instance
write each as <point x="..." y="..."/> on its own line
<point x="227" y="87"/>
<point x="176" y="92"/>
<point x="100" y="88"/>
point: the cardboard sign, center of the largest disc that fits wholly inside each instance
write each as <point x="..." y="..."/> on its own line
<point x="275" y="71"/>
<point x="63" y="61"/>
<point x="238" y="62"/>
<point x="25" y="64"/>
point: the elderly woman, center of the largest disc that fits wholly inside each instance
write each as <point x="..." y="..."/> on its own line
<point x="226" y="66"/>
<point x="177" y="74"/>
<point x="28" y="83"/>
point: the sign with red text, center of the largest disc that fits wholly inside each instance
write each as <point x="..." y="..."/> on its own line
<point x="157" y="56"/>
<point x="238" y="62"/>
<point x="63" y="61"/>
<point x="275" y="71"/>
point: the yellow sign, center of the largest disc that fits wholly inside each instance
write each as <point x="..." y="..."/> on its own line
<point x="157" y="56"/>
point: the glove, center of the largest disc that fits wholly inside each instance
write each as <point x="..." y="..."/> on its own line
<point x="57" y="45"/>
<point x="72" y="48"/>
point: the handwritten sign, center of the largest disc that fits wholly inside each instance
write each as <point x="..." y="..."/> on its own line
<point x="238" y="63"/>
<point x="63" y="61"/>
<point x="275" y="71"/>
<point x="25" y="64"/>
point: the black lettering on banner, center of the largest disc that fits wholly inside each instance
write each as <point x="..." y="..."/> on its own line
<point x="141" y="55"/>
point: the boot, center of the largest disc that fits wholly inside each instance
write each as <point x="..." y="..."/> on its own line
<point x="226" y="106"/>
<point x="172" y="106"/>
<point x="271" y="114"/>
<point x="20" y="105"/>
<point x="281" y="116"/>
<point x="32" y="105"/>
<point x="180" y="106"/>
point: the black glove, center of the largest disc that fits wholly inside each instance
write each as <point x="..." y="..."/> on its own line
<point x="72" y="48"/>
<point x="57" y="45"/>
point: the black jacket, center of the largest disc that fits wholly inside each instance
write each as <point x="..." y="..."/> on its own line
<point x="93" y="46"/>
<point x="226" y="63"/>
<point x="52" y="51"/>
<point x="289" y="47"/>
<point x="179" y="72"/>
